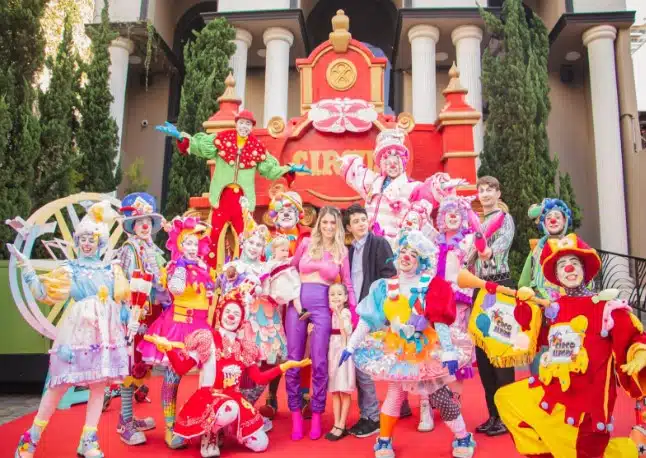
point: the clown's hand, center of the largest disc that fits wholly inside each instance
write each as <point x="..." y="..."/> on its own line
<point x="21" y="259"/>
<point x="345" y="355"/>
<point x="301" y="168"/>
<point x="169" y="130"/>
<point x="635" y="365"/>
<point x="287" y="365"/>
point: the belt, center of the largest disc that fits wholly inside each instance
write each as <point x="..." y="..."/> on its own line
<point x="184" y="315"/>
<point x="335" y="332"/>
<point x="234" y="186"/>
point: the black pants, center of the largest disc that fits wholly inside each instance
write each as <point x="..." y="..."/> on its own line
<point x="492" y="377"/>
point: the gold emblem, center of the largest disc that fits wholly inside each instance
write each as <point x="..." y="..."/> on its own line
<point x="341" y="74"/>
<point x="275" y="127"/>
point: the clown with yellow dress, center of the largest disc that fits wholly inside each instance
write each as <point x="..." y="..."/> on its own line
<point x="404" y="337"/>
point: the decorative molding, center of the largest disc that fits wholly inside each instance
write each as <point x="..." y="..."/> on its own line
<point x="341" y="115"/>
<point x="406" y="121"/>
<point x="341" y="74"/>
<point x="276" y="126"/>
<point x="458" y="155"/>
<point x="618" y="19"/>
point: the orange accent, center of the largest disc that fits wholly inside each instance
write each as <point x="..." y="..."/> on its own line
<point x="386" y="425"/>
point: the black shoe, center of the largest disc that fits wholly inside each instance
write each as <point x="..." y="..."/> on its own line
<point x="364" y="428"/>
<point x="405" y="411"/>
<point x="497" y="429"/>
<point x="486" y="426"/>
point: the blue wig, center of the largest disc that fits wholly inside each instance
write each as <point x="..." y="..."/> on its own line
<point x="549" y="205"/>
<point x="425" y="249"/>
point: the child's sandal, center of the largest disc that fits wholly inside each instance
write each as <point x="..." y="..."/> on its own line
<point x="333" y="437"/>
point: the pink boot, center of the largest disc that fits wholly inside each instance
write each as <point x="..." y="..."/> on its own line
<point x="297" y="426"/>
<point x="315" y="428"/>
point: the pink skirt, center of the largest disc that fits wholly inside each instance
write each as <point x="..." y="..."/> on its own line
<point x="165" y="326"/>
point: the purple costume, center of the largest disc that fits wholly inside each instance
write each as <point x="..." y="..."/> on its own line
<point x="314" y="297"/>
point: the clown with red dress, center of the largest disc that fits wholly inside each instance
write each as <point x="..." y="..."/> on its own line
<point x="594" y="341"/>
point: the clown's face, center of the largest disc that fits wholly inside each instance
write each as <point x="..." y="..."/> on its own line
<point x="244" y="127"/>
<point x="253" y="247"/>
<point x="190" y="246"/>
<point x="88" y="245"/>
<point x="143" y="228"/>
<point x="407" y="260"/>
<point x="393" y="166"/>
<point x="488" y="196"/>
<point x="412" y="222"/>
<point x="554" y="222"/>
<point x="231" y="317"/>
<point x="286" y="218"/>
<point x="452" y="220"/>
<point x="569" y="271"/>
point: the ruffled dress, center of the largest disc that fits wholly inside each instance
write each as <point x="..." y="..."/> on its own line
<point x="191" y="287"/>
<point x="392" y="352"/>
<point x="90" y="344"/>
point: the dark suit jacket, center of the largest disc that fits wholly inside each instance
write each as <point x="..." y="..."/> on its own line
<point x="377" y="263"/>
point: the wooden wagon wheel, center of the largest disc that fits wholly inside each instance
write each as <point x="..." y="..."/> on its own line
<point x="57" y="220"/>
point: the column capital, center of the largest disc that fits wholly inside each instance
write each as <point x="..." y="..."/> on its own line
<point x="125" y="43"/>
<point x="599" y="32"/>
<point x="425" y="31"/>
<point x="278" y="33"/>
<point x="243" y="36"/>
<point x="466" y="31"/>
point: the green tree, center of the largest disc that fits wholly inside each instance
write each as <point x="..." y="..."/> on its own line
<point x="21" y="55"/>
<point x="516" y="146"/>
<point x="98" y="138"/>
<point x="55" y="172"/>
<point x="206" y="60"/>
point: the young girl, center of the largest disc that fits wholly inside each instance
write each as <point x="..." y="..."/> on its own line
<point x="283" y="281"/>
<point x="342" y="379"/>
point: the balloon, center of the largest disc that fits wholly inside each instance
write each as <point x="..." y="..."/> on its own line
<point x="552" y="311"/>
<point x="399" y="308"/>
<point x="521" y="341"/>
<point x="482" y="323"/>
<point x="489" y="301"/>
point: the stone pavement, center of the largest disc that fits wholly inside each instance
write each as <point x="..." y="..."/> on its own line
<point x="14" y="406"/>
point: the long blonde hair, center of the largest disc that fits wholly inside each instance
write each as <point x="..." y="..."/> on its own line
<point x="338" y="250"/>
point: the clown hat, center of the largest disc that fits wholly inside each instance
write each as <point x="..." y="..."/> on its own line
<point x="140" y="205"/>
<point x="391" y="141"/>
<point x="234" y="296"/>
<point x="246" y="114"/>
<point x="285" y="199"/>
<point x="555" y="249"/>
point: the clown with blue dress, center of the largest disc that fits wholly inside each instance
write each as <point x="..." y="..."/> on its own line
<point x="405" y="337"/>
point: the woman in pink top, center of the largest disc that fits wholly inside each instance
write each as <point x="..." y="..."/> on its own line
<point x="319" y="260"/>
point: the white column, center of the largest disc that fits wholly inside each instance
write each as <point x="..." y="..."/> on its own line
<point x="278" y="41"/>
<point x="466" y="40"/>
<point x="607" y="140"/>
<point x="120" y="50"/>
<point x="423" y="39"/>
<point x="238" y="62"/>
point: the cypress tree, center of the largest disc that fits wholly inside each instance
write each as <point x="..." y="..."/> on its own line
<point x="98" y="138"/>
<point x="206" y="62"/>
<point x="516" y="146"/>
<point x="21" y="55"/>
<point x="56" y="171"/>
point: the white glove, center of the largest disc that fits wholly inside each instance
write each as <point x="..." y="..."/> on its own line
<point x="133" y="327"/>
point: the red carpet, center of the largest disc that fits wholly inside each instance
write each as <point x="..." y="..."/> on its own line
<point x="61" y="436"/>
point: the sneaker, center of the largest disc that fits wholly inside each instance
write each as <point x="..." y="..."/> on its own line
<point x="307" y="409"/>
<point x="144" y="424"/>
<point x="384" y="448"/>
<point x="465" y="447"/>
<point x="89" y="445"/>
<point x="426" y="423"/>
<point x="497" y="429"/>
<point x="269" y="409"/>
<point x="364" y="428"/>
<point x="483" y="428"/>
<point x="129" y="434"/>
<point x="405" y="411"/>
<point x="173" y="441"/>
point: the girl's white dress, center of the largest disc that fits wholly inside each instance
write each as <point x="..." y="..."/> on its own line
<point x="341" y="379"/>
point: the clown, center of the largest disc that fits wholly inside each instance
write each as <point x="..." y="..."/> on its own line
<point x="264" y="326"/>
<point x="237" y="154"/>
<point x="139" y="253"/>
<point x="192" y="288"/>
<point x="389" y="194"/>
<point x="566" y="411"/>
<point x="553" y="218"/>
<point x="417" y="351"/>
<point x="90" y="348"/>
<point x="224" y="360"/>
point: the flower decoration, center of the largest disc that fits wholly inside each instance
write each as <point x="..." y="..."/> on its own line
<point x="180" y="229"/>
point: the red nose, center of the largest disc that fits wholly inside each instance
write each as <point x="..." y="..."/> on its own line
<point x="231" y="317"/>
<point x="145" y="227"/>
<point x="553" y="221"/>
<point x="406" y="258"/>
<point x="569" y="268"/>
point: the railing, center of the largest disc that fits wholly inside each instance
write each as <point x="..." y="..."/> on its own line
<point x="628" y="275"/>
